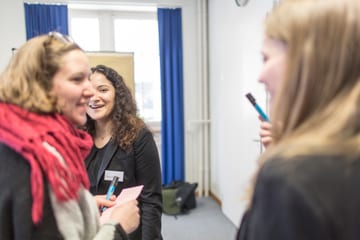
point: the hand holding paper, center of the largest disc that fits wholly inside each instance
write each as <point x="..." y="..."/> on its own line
<point x="126" y="195"/>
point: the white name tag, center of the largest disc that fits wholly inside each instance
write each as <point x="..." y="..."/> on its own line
<point x="109" y="175"/>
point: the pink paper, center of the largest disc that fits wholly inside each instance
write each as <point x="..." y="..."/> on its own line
<point x="125" y="195"/>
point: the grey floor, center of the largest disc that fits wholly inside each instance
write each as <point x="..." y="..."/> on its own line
<point x="206" y="221"/>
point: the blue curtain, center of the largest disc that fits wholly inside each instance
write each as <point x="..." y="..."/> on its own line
<point x="172" y="99"/>
<point x="44" y="18"/>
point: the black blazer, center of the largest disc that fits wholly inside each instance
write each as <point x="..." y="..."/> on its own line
<point x="140" y="167"/>
<point x="16" y="201"/>
<point x="310" y="197"/>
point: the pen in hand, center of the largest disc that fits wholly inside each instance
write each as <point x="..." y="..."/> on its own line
<point x="110" y="190"/>
<point x="257" y="107"/>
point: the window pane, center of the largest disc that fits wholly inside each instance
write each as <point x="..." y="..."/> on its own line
<point x="141" y="38"/>
<point x="85" y="32"/>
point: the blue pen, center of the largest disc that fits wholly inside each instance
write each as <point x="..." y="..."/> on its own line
<point x="111" y="190"/>
<point x="257" y="107"/>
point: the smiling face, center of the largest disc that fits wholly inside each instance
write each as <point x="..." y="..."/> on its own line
<point x="101" y="105"/>
<point x="273" y="70"/>
<point x="72" y="87"/>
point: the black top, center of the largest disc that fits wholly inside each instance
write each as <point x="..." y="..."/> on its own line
<point x="140" y="167"/>
<point x="312" y="197"/>
<point x="94" y="165"/>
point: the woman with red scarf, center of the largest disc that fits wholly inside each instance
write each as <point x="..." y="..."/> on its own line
<point x="44" y="185"/>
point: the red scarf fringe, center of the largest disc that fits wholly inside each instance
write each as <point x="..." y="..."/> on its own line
<point x="26" y="132"/>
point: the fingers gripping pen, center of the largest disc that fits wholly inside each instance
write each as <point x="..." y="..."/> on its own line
<point x="111" y="190"/>
<point x="257" y="107"/>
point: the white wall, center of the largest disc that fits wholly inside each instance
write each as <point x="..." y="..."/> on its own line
<point x="12" y="28"/>
<point x="235" y="35"/>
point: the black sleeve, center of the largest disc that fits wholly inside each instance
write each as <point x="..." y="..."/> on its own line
<point x="16" y="201"/>
<point x="281" y="210"/>
<point x="148" y="173"/>
<point x="15" y="209"/>
<point x="120" y="234"/>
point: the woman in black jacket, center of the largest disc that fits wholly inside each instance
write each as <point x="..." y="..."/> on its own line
<point x="123" y="147"/>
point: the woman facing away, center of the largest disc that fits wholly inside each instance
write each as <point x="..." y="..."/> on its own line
<point x="307" y="186"/>
<point x="43" y="96"/>
<point x="123" y="147"/>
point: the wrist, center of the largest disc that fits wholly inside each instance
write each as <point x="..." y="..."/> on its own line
<point x="118" y="229"/>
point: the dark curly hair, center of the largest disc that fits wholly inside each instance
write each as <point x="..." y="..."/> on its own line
<point x="126" y="123"/>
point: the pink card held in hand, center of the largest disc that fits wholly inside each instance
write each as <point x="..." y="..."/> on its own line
<point x="125" y="195"/>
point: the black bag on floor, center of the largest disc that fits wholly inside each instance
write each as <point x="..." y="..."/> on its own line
<point x="178" y="197"/>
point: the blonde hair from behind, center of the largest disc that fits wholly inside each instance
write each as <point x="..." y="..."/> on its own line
<point x="317" y="106"/>
<point x="27" y="79"/>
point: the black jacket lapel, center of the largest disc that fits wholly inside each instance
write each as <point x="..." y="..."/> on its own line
<point x="109" y="153"/>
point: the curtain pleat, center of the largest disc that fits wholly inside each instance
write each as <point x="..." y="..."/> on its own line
<point x="44" y="18"/>
<point x="172" y="99"/>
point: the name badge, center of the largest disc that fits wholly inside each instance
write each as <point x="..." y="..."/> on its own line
<point x="109" y="175"/>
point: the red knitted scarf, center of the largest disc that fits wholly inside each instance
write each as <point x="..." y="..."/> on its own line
<point x="26" y="132"/>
